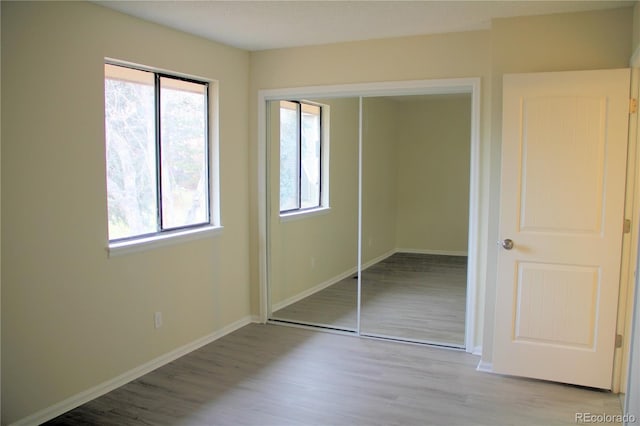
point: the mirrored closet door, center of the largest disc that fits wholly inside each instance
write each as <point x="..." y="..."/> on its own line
<point x="395" y="267"/>
<point x="313" y="211"/>
<point x="415" y="215"/>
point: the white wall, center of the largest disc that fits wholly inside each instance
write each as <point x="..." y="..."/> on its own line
<point x="72" y="317"/>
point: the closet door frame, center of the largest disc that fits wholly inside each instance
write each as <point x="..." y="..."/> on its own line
<point x="362" y="90"/>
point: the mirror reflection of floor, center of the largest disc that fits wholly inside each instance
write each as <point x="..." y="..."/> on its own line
<point x="409" y="296"/>
<point x="333" y="307"/>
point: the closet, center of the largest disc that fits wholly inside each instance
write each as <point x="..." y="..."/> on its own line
<point x="384" y="251"/>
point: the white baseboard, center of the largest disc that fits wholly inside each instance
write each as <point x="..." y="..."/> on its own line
<point x="379" y="259"/>
<point x="477" y="350"/>
<point x="485" y="367"/>
<point x="331" y="281"/>
<point x="105" y="387"/>
<point x="428" y="251"/>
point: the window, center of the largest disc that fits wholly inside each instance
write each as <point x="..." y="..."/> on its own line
<point x="157" y="153"/>
<point x="301" y="164"/>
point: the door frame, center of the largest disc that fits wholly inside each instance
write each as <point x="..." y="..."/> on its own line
<point x="630" y="243"/>
<point x="392" y="88"/>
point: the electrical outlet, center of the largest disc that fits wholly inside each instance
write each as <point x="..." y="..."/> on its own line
<point x="157" y="319"/>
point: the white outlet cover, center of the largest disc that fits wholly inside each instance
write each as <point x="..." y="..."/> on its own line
<point x="157" y="318"/>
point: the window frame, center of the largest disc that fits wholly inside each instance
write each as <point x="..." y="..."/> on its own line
<point x="323" y="167"/>
<point x="170" y="235"/>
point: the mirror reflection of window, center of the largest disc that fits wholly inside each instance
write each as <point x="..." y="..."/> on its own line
<point x="300" y="156"/>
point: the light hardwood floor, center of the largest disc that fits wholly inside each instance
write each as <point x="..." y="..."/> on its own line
<point x="272" y="375"/>
<point x="409" y="296"/>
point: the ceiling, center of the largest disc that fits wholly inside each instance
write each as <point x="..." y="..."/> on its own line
<point x="260" y="25"/>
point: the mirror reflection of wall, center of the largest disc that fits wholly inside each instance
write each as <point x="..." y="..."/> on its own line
<point x="313" y="211"/>
<point x="416" y="155"/>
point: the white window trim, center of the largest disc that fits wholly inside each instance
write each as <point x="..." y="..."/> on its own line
<point x="303" y="214"/>
<point x="167" y="238"/>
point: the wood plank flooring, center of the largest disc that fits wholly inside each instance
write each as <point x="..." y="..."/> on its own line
<point x="271" y="375"/>
<point x="408" y="296"/>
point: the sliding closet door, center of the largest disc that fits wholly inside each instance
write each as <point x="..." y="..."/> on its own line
<point x="313" y="211"/>
<point x="415" y="215"/>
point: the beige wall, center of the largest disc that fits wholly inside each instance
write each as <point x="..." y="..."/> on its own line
<point x="309" y="251"/>
<point x="635" y="40"/>
<point x="72" y="317"/>
<point x="379" y="177"/>
<point x="415" y="174"/>
<point x="434" y="148"/>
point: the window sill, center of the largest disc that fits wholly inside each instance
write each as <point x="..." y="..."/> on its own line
<point x="304" y="214"/>
<point x="162" y="240"/>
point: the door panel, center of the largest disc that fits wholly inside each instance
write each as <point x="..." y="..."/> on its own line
<point x="544" y="290"/>
<point x="564" y="150"/>
<point x="563" y="135"/>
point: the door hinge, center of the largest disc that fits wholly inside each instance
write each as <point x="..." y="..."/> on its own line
<point x="626" y="226"/>
<point x="633" y="106"/>
<point x="618" y="340"/>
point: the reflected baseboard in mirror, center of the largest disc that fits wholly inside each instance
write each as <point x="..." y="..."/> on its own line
<point x="332" y="307"/>
<point x="407" y="296"/>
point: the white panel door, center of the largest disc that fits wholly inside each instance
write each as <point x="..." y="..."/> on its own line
<point x="564" y="147"/>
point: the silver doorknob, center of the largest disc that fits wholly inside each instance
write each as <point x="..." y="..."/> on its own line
<point x="507" y="244"/>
